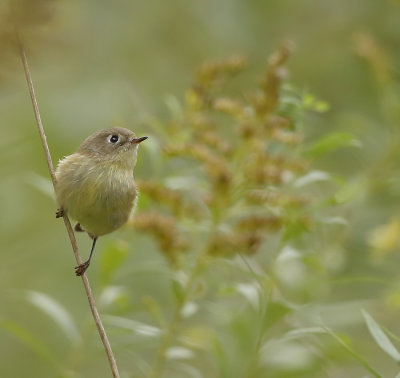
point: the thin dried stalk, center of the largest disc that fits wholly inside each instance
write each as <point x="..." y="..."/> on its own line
<point x="92" y="303"/>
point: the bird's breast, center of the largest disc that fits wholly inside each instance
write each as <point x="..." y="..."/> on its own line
<point x="101" y="198"/>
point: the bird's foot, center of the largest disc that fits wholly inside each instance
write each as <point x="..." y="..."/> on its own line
<point x="80" y="269"/>
<point x="78" y="228"/>
<point x="60" y="213"/>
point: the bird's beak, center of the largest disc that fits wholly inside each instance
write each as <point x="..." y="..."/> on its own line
<point x="138" y="140"/>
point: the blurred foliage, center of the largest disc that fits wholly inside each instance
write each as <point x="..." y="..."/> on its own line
<point x="227" y="187"/>
<point x="265" y="242"/>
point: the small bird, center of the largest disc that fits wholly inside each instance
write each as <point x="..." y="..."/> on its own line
<point x="95" y="185"/>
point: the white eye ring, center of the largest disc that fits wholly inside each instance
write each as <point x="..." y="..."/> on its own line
<point x="113" y="138"/>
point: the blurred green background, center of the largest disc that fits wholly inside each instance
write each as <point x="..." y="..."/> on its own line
<point x="97" y="64"/>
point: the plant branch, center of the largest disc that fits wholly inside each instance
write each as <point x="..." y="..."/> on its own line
<point x="171" y="328"/>
<point x="92" y="303"/>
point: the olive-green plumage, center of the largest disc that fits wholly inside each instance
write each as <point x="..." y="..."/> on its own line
<point x="95" y="185"/>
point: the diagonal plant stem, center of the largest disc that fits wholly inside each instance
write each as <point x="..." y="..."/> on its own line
<point x="92" y="303"/>
<point x="172" y="327"/>
<point x="170" y="332"/>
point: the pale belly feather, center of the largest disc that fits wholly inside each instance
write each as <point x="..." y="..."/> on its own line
<point x="101" y="200"/>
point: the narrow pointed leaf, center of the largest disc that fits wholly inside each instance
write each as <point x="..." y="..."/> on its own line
<point x="56" y="312"/>
<point x="380" y="337"/>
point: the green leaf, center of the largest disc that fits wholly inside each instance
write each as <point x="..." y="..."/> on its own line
<point x="294" y="228"/>
<point x="311" y="103"/>
<point x="56" y="312"/>
<point x="299" y="333"/>
<point x="116" y="296"/>
<point x="178" y="353"/>
<point x="321" y="106"/>
<point x="179" y="281"/>
<point x="198" y="337"/>
<point x="380" y="337"/>
<point x="112" y="258"/>
<point x="308" y="100"/>
<point x="346" y="345"/>
<point x="222" y="359"/>
<point x="178" y="291"/>
<point x="251" y="291"/>
<point x="312" y="177"/>
<point x="275" y="312"/>
<point x="140" y="328"/>
<point x="347" y="192"/>
<point x="332" y="142"/>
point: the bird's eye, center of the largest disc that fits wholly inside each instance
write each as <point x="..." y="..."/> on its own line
<point x="114" y="138"/>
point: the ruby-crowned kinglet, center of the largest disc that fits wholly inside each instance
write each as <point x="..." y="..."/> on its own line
<point x="95" y="185"/>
